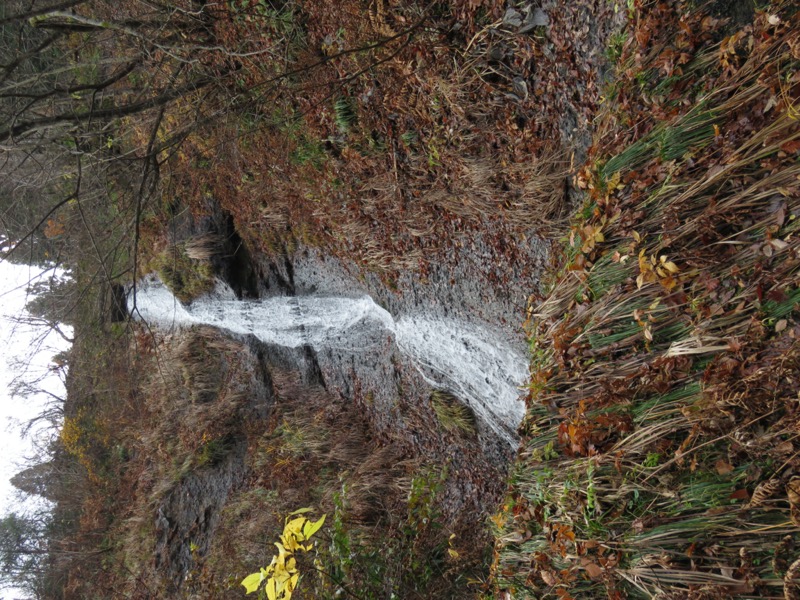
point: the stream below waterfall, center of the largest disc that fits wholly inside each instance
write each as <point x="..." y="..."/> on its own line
<point x="469" y="360"/>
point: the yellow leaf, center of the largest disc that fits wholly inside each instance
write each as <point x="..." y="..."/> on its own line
<point x="640" y="281"/>
<point x="453" y="554"/>
<point x="636" y="236"/>
<point x="290" y="542"/>
<point x="281" y="577"/>
<point x="295" y="526"/>
<point x="299" y="511"/>
<point x="252" y="582"/>
<point x="280" y="560"/>
<point x="310" y="528"/>
<point x="670" y="266"/>
<point x="272" y="593"/>
<point x="669" y="282"/>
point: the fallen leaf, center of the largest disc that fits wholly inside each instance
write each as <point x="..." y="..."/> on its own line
<point x="793" y="491"/>
<point x="719" y="510"/>
<point x="723" y="467"/>
<point x="670" y="266"/>
<point x="778" y="244"/>
<point x="791" y="147"/>
<point x="740" y="494"/>
<point x="593" y="570"/>
<point x="780" y="325"/>
<point x="548" y="577"/>
<point x="794" y="515"/>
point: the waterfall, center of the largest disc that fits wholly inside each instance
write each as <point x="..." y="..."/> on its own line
<point x="469" y="360"/>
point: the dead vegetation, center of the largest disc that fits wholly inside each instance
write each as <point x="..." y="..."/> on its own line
<point x="185" y="276"/>
<point x="317" y="451"/>
<point x="387" y="155"/>
<point x="196" y="399"/>
<point x="203" y="247"/>
<point x="661" y="443"/>
<point x="453" y="415"/>
<point x="215" y="456"/>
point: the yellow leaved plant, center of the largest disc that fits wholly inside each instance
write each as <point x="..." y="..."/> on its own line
<point x="280" y="577"/>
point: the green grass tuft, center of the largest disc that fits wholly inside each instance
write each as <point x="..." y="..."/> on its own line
<point x="344" y="115"/>
<point x="452" y="414"/>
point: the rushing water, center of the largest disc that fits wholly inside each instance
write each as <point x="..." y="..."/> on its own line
<point x="468" y="360"/>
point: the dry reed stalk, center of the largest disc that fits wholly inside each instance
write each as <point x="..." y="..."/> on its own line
<point x="203" y="247"/>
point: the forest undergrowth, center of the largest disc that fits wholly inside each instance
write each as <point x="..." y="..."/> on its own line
<point x="660" y="450"/>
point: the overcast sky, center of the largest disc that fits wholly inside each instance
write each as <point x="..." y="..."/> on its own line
<point x="17" y="343"/>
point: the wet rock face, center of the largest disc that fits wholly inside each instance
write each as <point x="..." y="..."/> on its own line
<point x="186" y="519"/>
<point x="468" y="286"/>
<point x="477" y="282"/>
<point x="187" y="515"/>
<point x="119" y="303"/>
<point x="233" y="262"/>
<point x="472" y="285"/>
<point x="740" y="12"/>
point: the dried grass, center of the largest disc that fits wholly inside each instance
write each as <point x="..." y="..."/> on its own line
<point x="204" y="247"/>
<point x="661" y="407"/>
<point x="453" y="415"/>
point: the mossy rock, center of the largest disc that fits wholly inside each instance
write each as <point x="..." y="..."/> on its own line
<point x="185" y="277"/>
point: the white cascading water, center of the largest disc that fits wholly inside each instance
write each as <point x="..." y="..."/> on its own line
<point x="468" y="360"/>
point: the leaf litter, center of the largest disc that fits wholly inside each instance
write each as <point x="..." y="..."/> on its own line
<point x="660" y="455"/>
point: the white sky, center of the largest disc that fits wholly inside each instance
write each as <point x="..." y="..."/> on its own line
<point x="17" y="342"/>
